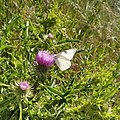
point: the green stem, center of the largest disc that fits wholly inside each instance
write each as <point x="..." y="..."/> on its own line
<point x="20" y="107"/>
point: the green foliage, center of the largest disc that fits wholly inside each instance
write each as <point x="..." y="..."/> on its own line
<point x="89" y="90"/>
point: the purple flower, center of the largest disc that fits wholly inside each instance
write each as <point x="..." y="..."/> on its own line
<point x="24" y="85"/>
<point x="44" y="58"/>
<point x="50" y="35"/>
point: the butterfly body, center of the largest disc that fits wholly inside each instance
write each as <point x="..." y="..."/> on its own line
<point x="62" y="59"/>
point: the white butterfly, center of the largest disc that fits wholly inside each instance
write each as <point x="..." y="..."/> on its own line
<point x="62" y="59"/>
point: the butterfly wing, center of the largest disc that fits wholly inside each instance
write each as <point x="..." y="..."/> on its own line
<point x="62" y="62"/>
<point x="68" y="53"/>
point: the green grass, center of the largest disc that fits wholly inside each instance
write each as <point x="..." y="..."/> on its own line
<point x="90" y="89"/>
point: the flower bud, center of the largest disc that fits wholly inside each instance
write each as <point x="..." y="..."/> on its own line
<point x="50" y="35"/>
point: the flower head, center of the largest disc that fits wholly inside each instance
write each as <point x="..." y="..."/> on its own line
<point x="24" y="85"/>
<point x="44" y="58"/>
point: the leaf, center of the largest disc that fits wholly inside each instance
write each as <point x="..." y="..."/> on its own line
<point x="112" y="93"/>
<point x="2" y="59"/>
<point x="68" y="41"/>
<point x="55" y="91"/>
<point x="5" y="85"/>
<point x="5" y="103"/>
<point x="7" y="46"/>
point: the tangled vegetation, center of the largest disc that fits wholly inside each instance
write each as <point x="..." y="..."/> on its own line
<point x="90" y="89"/>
